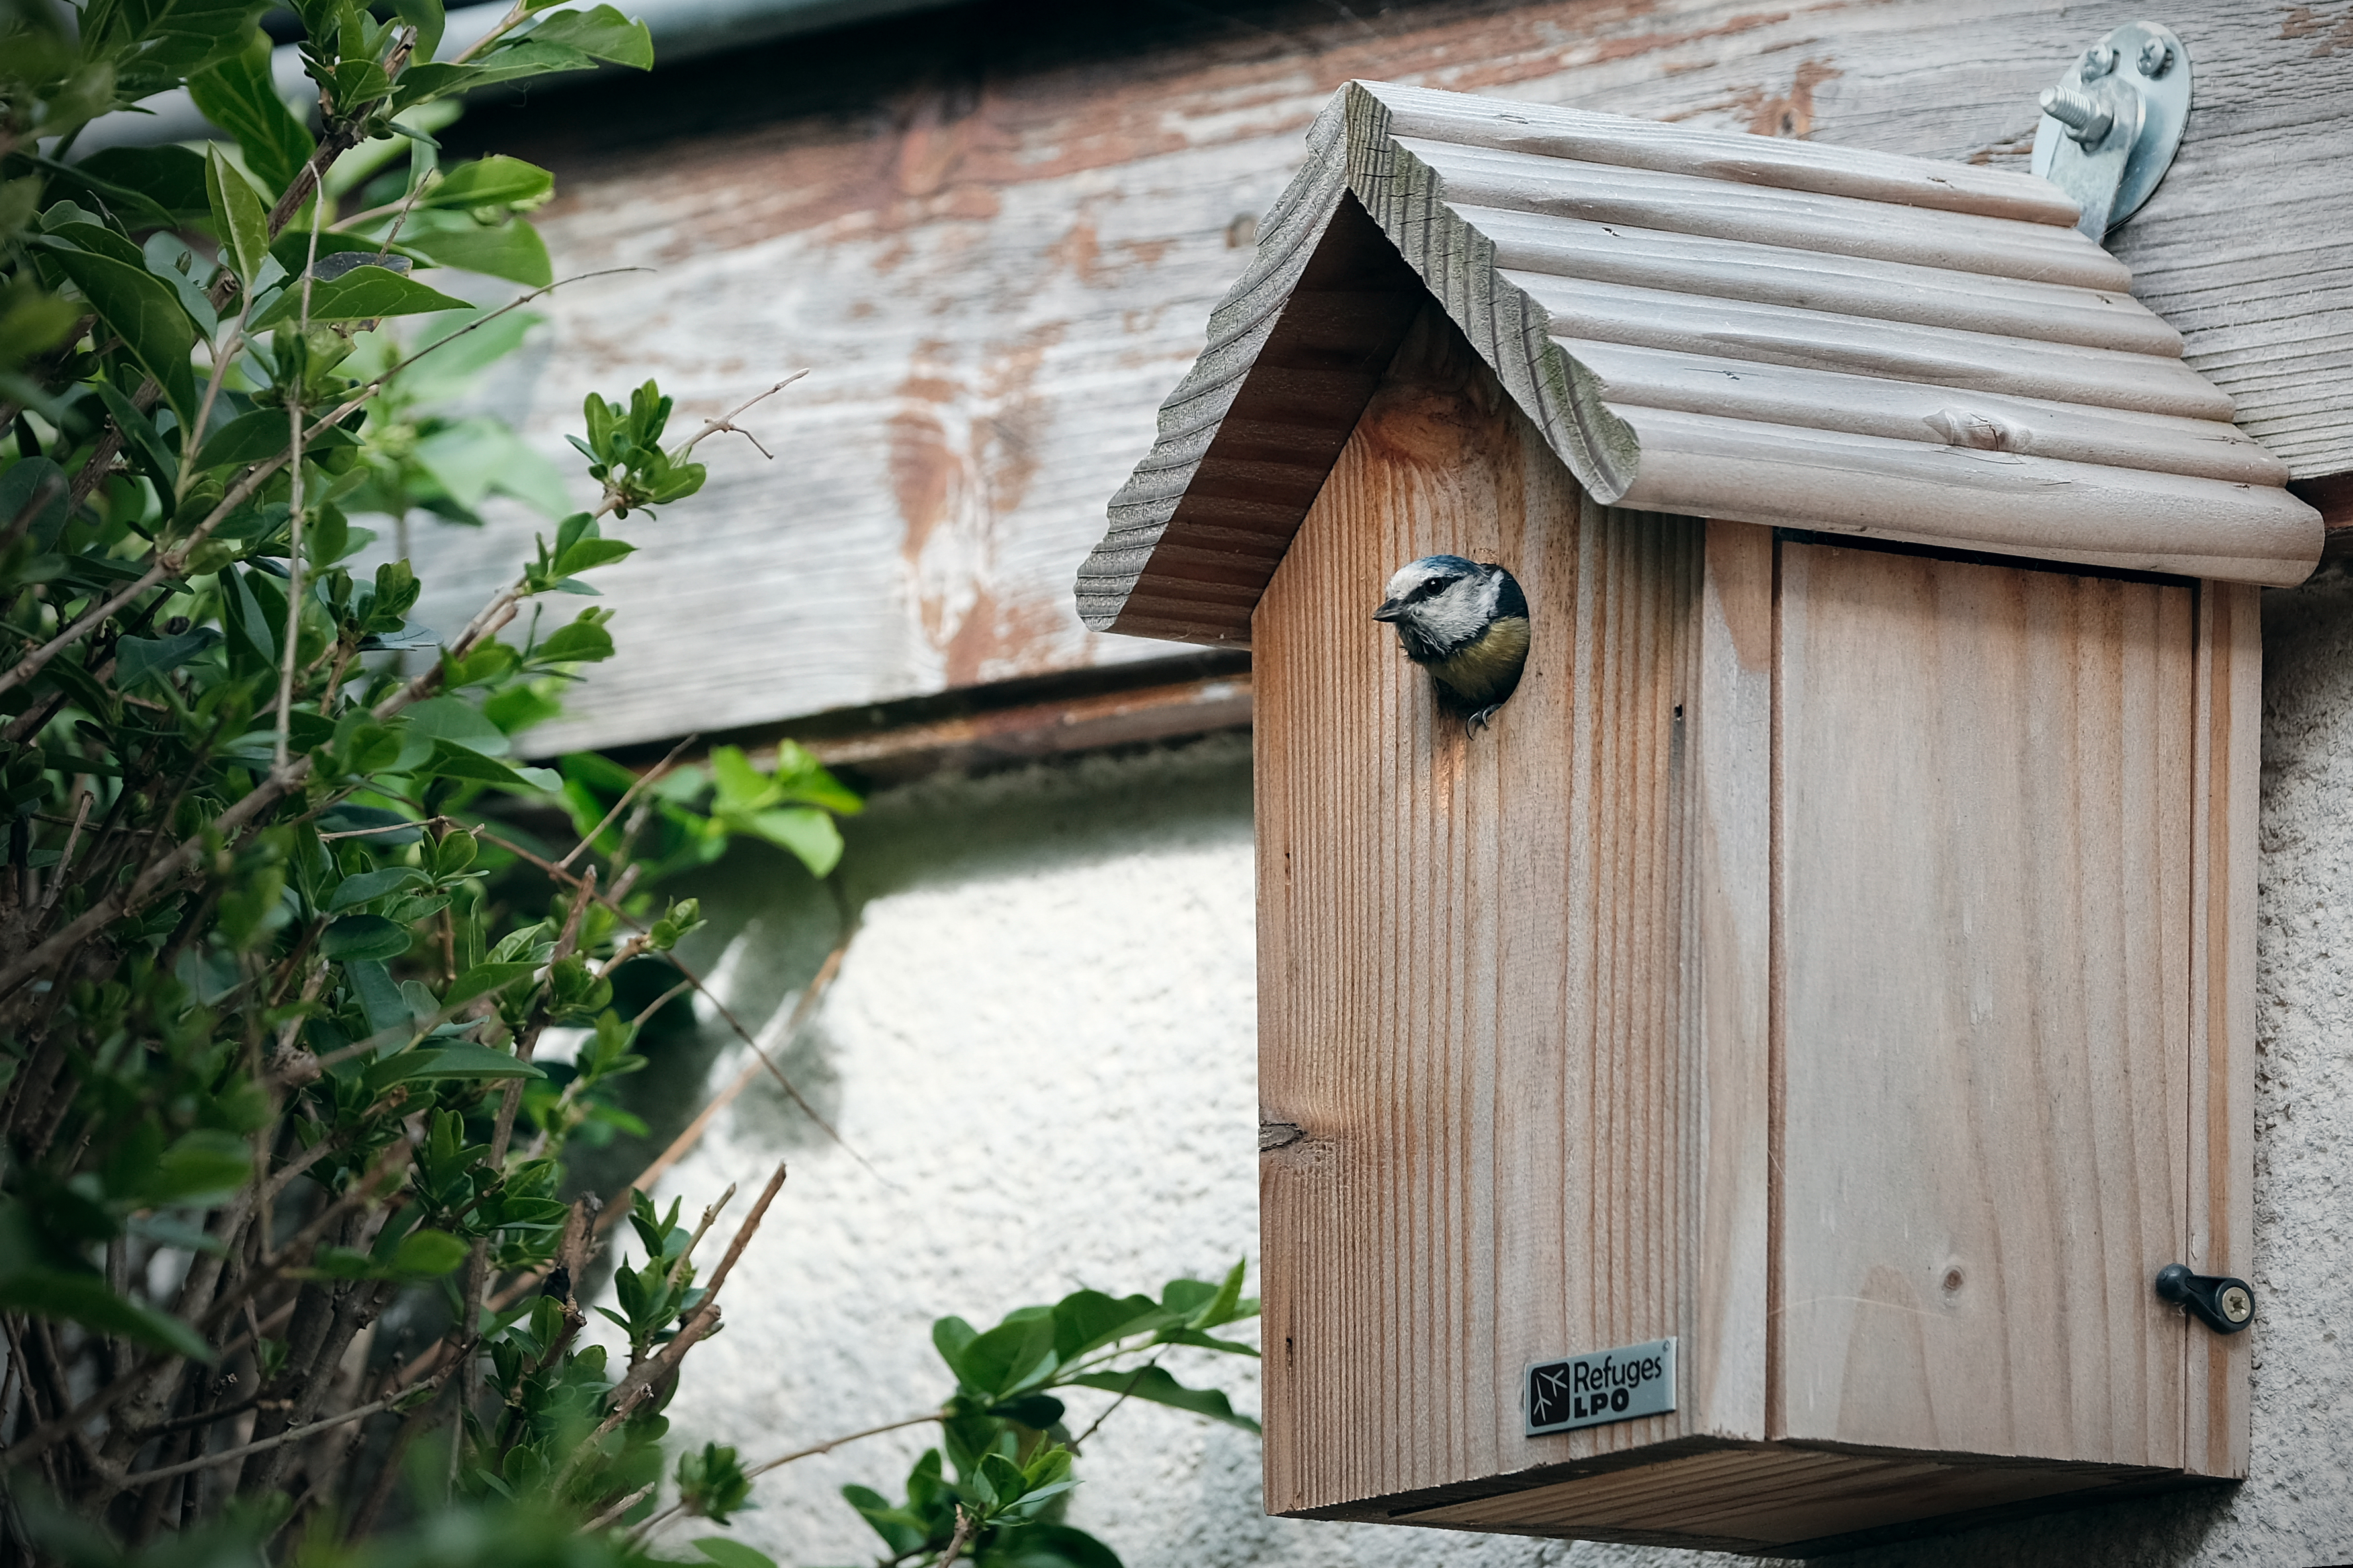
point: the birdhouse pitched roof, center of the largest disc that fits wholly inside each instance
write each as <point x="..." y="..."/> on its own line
<point x="1715" y="325"/>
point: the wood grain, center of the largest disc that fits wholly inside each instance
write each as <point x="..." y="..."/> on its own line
<point x="1965" y="496"/>
<point x="2219" y="1135"/>
<point x="1984" y="840"/>
<point x="996" y="237"/>
<point x="1448" y="201"/>
<point x="1768" y="1498"/>
<point x="1469" y="950"/>
<point x="1727" y="1369"/>
<point x="1899" y="411"/>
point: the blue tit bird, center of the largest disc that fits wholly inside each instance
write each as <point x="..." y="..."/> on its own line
<point x="1466" y="623"/>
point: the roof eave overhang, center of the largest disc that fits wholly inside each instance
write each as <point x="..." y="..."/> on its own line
<point x="2061" y="451"/>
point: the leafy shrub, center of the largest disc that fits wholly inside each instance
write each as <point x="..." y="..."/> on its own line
<point x="268" y="1005"/>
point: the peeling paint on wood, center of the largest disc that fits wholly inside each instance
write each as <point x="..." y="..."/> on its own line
<point x="995" y="237"/>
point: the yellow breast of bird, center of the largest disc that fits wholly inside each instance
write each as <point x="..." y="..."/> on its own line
<point x="1478" y="669"/>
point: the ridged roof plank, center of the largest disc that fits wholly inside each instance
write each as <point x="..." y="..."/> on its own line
<point x="1726" y="326"/>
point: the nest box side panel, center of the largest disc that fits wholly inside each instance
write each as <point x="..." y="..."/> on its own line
<point x="2221" y="1115"/>
<point x="1985" y="866"/>
<point x="1479" y="1068"/>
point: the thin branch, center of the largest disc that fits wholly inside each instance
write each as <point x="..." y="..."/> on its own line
<point x="965" y="1520"/>
<point x="612" y="1516"/>
<point x="651" y="777"/>
<point x="82" y="799"/>
<point x="827" y="1447"/>
<point x="173" y="563"/>
<point x="292" y="1435"/>
<point x="727" y="420"/>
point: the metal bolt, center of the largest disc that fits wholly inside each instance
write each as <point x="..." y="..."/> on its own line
<point x="2155" y="59"/>
<point x="2087" y="120"/>
<point x="2098" y="62"/>
<point x="2236" y="1305"/>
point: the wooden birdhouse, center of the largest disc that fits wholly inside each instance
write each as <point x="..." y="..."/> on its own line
<point x="1741" y="1097"/>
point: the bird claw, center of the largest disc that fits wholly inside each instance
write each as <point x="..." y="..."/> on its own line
<point x="1474" y="722"/>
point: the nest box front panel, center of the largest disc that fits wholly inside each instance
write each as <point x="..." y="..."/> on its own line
<point x="1476" y="1053"/>
<point x="1986" y="854"/>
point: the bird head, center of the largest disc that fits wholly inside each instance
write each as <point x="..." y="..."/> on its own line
<point x="1441" y="602"/>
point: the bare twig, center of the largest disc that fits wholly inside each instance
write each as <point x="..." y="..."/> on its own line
<point x="646" y="780"/>
<point x="82" y="799"/>
<point x="173" y="563"/>
<point x="612" y="1516"/>
<point x="965" y="1520"/>
<point x="726" y="421"/>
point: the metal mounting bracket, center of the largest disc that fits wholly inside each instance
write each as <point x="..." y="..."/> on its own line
<point x="2112" y="125"/>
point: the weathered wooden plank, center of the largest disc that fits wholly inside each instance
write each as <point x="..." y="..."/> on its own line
<point x="1819" y="280"/>
<point x="1900" y="411"/>
<point x="2218" y="1136"/>
<point x="996" y="239"/>
<point x="1765" y="1499"/>
<point x="1773" y="215"/>
<point x="1730" y="737"/>
<point x="1858" y="344"/>
<point x="1475" y="1056"/>
<point x="1984" y="844"/>
<point x="1954" y="496"/>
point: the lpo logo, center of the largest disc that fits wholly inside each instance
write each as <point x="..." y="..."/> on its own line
<point x="1605" y="1385"/>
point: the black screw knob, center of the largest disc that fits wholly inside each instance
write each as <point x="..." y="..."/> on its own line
<point x="2222" y="1303"/>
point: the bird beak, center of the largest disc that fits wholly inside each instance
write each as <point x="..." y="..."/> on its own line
<point x="1390" y="610"/>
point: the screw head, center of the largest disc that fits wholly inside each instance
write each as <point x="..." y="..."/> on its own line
<point x="2098" y="62"/>
<point x="2155" y="59"/>
<point x="2237" y="1305"/>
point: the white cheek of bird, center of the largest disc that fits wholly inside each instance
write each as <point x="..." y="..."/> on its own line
<point x="1466" y="622"/>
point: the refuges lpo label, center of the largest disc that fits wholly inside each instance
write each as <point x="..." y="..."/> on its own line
<point x="1605" y="1385"/>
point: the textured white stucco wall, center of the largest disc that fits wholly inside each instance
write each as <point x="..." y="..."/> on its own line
<point x="1042" y="1042"/>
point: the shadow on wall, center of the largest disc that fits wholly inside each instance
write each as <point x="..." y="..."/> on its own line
<point x="772" y="924"/>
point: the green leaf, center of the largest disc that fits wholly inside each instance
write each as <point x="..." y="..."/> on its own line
<point x="362" y="294"/>
<point x="138" y="659"/>
<point x="238" y="217"/>
<point x="805" y="831"/>
<point x="732" y="1553"/>
<point x="448" y="1061"/>
<point x="513" y="250"/>
<point x="473" y="458"/>
<point x="1153" y="1383"/>
<point x="174" y="38"/>
<point x="486" y="978"/>
<point x="39" y="486"/>
<point x="85" y="1299"/>
<point x="204" y="1166"/>
<point x="165" y="186"/>
<point x="902" y="1532"/>
<point x="427" y="17"/>
<point x="604" y="33"/>
<point x="1016" y="1355"/>
<point x="1221" y="1307"/>
<point x="458" y="722"/>
<point x="237" y="95"/>
<point x="365" y="936"/>
<point x="141" y="309"/>
<point x="353" y="891"/>
<point x="1089" y="1320"/>
<point x="1054" y="1546"/>
<point x="428" y="1254"/>
<point x="448" y="762"/>
<point x="577" y="642"/>
<point x="494" y="182"/>
<point x="140" y="436"/>
<point x="589" y="553"/>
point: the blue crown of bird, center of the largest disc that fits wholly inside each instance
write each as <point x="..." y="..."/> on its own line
<point x="1464" y="622"/>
